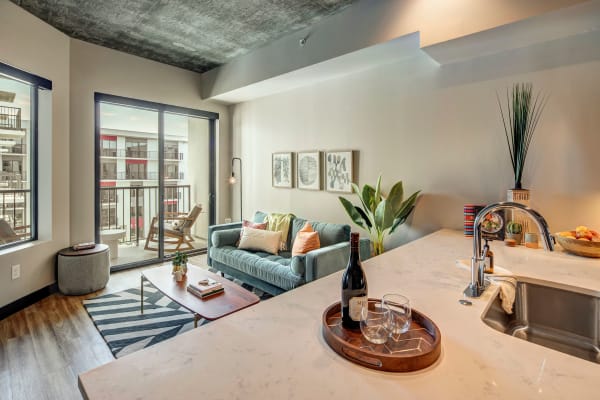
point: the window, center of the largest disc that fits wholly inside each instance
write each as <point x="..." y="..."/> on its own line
<point x="109" y="170"/>
<point x="136" y="171"/>
<point x="109" y="217"/>
<point x="108" y="195"/>
<point x="20" y="94"/>
<point x="136" y="148"/>
<point x="171" y="150"/>
<point x="171" y="171"/>
<point x="109" y="146"/>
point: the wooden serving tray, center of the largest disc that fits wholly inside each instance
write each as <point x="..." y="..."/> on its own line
<point x="416" y="349"/>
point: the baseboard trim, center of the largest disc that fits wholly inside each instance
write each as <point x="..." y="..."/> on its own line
<point x="28" y="300"/>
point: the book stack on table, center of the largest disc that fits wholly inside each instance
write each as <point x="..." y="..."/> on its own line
<point x="205" y="288"/>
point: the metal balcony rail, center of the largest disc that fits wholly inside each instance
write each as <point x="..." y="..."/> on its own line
<point x="144" y="154"/>
<point x="11" y="180"/>
<point x="15" y="210"/>
<point x="139" y="176"/>
<point x="14" y="149"/>
<point x="10" y="117"/>
<point x="132" y="208"/>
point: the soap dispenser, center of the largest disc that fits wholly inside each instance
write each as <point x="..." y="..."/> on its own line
<point x="489" y="259"/>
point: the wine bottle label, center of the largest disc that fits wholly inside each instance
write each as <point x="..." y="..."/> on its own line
<point x="355" y="305"/>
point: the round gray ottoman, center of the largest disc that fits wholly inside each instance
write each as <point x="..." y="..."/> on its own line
<point x="83" y="271"/>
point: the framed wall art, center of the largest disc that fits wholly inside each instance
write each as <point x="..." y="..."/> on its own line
<point x="282" y="170"/>
<point x="339" y="171"/>
<point x="308" y="170"/>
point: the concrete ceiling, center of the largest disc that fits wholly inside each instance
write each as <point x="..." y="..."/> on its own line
<point x="193" y="34"/>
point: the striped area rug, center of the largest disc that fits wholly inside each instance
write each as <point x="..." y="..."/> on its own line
<point x="117" y="317"/>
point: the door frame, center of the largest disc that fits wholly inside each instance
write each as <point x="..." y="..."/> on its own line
<point x="160" y="108"/>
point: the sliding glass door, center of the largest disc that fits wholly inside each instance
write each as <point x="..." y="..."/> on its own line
<point x="155" y="179"/>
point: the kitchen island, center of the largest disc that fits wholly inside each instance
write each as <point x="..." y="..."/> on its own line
<point x="275" y="349"/>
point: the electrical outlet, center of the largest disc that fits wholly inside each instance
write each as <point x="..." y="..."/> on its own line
<point x="16" y="271"/>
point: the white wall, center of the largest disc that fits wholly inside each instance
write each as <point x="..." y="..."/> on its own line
<point x="33" y="46"/>
<point x="98" y="69"/>
<point x="198" y="172"/>
<point x="438" y="129"/>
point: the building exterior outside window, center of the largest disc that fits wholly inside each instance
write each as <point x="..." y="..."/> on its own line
<point x="129" y="179"/>
<point x="19" y="98"/>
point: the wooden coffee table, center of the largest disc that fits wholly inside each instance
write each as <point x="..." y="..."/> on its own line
<point x="233" y="299"/>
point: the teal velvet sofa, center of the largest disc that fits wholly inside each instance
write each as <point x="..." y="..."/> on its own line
<point x="276" y="274"/>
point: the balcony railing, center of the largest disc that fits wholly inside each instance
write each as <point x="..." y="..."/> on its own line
<point x="144" y="154"/>
<point x="11" y="180"/>
<point x="14" y="149"/>
<point x="139" y="176"/>
<point x="15" y="210"/>
<point x="132" y="208"/>
<point x="10" y="117"/>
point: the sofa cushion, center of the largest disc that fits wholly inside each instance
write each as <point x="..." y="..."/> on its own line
<point x="270" y="268"/>
<point x="260" y="217"/>
<point x="328" y="233"/>
<point x="260" y="240"/>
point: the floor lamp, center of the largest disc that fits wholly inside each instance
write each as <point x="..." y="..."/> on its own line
<point x="234" y="180"/>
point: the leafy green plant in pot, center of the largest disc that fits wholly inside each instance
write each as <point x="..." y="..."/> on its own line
<point x="379" y="215"/>
<point x="179" y="261"/>
<point x="514" y="230"/>
<point x="520" y="118"/>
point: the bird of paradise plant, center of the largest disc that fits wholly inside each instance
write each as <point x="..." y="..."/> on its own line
<point x="379" y="215"/>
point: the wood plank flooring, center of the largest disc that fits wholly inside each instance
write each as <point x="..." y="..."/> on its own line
<point x="44" y="347"/>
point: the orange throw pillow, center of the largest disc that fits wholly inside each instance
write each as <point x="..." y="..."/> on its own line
<point x="306" y="240"/>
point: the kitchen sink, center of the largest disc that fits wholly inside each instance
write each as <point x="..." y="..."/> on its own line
<point x="560" y="317"/>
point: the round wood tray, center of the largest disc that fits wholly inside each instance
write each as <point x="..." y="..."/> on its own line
<point x="416" y="349"/>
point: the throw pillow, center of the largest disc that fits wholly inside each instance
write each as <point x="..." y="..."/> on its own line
<point x="260" y="240"/>
<point x="280" y="222"/>
<point x="306" y="240"/>
<point x="250" y="224"/>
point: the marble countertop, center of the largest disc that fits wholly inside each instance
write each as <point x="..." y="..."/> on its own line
<point x="275" y="350"/>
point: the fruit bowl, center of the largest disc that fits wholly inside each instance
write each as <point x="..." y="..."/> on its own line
<point x="585" y="248"/>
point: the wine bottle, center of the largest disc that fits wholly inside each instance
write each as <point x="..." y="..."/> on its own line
<point x="354" y="287"/>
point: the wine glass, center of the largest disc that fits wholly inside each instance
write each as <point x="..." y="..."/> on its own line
<point x="374" y="322"/>
<point x="400" y="315"/>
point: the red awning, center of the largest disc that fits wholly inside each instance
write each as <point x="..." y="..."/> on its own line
<point x="108" y="137"/>
<point x="136" y="161"/>
<point x="108" y="183"/>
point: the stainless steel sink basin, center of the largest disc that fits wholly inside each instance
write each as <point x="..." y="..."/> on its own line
<point x="556" y="316"/>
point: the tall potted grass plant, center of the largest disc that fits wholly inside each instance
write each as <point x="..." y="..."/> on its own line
<point x="520" y="118"/>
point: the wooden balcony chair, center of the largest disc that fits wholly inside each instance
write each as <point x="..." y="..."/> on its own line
<point x="177" y="230"/>
<point x="7" y="233"/>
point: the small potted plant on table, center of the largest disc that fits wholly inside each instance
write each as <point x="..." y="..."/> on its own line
<point x="514" y="230"/>
<point x="179" y="265"/>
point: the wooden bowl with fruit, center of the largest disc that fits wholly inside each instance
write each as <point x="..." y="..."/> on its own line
<point x="582" y="241"/>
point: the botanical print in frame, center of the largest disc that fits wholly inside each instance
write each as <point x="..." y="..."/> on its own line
<point x="308" y="170"/>
<point x="282" y="170"/>
<point x="339" y="171"/>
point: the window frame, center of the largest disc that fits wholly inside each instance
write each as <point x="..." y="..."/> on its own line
<point x="36" y="83"/>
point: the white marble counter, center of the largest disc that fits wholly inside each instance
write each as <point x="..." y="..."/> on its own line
<point x="275" y="350"/>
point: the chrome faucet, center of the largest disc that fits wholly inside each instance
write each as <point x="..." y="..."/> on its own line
<point x="477" y="285"/>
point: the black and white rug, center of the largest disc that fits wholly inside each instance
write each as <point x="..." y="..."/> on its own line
<point x="118" y="319"/>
